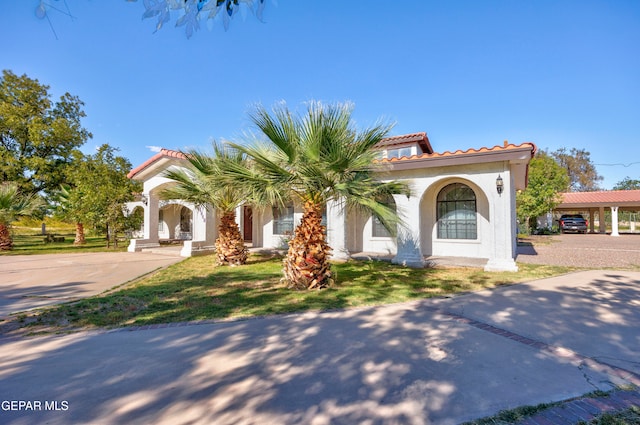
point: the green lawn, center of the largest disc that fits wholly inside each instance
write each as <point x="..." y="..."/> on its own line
<point x="195" y="289"/>
<point x="28" y="239"/>
<point x="28" y="244"/>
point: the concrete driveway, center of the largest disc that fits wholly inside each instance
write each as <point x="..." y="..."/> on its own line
<point x="590" y="250"/>
<point x="438" y="361"/>
<point x="32" y="281"/>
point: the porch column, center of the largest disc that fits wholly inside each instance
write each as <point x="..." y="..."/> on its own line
<point x="409" y="251"/>
<point x="337" y="230"/>
<point x="503" y="227"/>
<point x="592" y="217"/>
<point x="201" y="241"/>
<point x="614" y="221"/>
<point x="601" y="220"/>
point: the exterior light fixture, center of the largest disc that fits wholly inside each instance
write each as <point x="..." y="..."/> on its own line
<point x="499" y="185"/>
<point x="144" y="199"/>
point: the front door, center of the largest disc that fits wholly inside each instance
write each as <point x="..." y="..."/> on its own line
<point x="247" y="223"/>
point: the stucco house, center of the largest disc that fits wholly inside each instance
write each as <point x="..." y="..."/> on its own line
<point x="462" y="205"/>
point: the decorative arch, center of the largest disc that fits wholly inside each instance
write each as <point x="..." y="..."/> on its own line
<point x="433" y="243"/>
<point x="137" y="219"/>
<point x="175" y="221"/>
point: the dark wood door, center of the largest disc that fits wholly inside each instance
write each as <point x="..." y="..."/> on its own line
<point x="247" y="223"/>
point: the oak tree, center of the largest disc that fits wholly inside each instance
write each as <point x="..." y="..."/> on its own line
<point x="37" y="135"/>
<point x="546" y="180"/>
<point x="582" y="173"/>
<point x="627" y="184"/>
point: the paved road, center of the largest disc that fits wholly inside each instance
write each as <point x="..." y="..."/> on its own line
<point x="31" y="281"/>
<point x="433" y="361"/>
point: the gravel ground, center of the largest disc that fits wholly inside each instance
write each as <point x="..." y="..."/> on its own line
<point x="577" y="250"/>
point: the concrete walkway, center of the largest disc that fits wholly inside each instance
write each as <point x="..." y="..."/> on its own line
<point x="32" y="281"/>
<point x="440" y="361"/>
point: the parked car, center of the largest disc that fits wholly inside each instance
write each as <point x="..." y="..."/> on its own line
<point x="573" y="223"/>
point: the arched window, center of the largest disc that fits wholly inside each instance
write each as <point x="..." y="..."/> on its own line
<point x="456" y="209"/>
<point x="283" y="220"/>
<point x="377" y="229"/>
<point x="160" y="220"/>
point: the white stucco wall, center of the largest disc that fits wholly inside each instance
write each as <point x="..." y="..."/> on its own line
<point x="264" y="220"/>
<point x="495" y="217"/>
<point x="496" y="223"/>
<point x="380" y="244"/>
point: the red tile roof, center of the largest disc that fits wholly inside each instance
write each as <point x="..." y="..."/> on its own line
<point x="421" y="138"/>
<point x="505" y="147"/>
<point x="390" y="141"/>
<point x="164" y="153"/>
<point x="603" y="198"/>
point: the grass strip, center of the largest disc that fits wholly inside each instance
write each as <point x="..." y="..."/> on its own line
<point x="196" y="289"/>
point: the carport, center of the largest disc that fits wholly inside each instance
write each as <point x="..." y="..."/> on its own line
<point x="592" y="202"/>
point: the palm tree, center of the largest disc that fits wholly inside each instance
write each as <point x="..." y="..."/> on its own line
<point x="204" y="186"/>
<point x="312" y="159"/>
<point x="13" y="205"/>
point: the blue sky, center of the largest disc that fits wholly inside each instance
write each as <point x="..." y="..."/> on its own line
<point x="559" y="73"/>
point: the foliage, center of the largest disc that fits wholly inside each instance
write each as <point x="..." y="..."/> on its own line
<point x="546" y="179"/>
<point x="13" y="205"/>
<point x="192" y="290"/>
<point x="583" y="176"/>
<point x="68" y="206"/>
<point x="192" y="11"/>
<point x="312" y="159"/>
<point x="37" y="137"/>
<point x="100" y="189"/>
<point x="627" y="184"/>
<point x="204" y="184"/>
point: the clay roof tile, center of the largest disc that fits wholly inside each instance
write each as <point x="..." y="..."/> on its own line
<point x="164" y="153"/>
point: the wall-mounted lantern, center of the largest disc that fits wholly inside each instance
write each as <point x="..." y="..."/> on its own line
<point x="499" y="185"/>
<point x="144" y="199"/>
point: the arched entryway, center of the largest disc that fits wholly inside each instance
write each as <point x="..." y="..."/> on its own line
<point x="454" y="219"/>
<point x="136" y="221"/>
<point x="175" y="222"/>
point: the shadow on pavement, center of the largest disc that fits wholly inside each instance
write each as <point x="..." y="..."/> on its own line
<point x="403" y="363"/>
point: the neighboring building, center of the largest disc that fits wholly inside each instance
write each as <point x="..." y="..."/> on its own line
<point x="596" y="202"/>
<point x="462" y="205"/>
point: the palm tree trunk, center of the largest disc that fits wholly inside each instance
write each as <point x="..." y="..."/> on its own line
<point x="79" y="240"/>
<point x="230" y="247"/>
<point x="6" y="241"/>
<point x="307" y="263"/>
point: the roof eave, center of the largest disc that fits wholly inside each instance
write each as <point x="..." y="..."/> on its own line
<point x="142" y="171"/>
<point x="519" y="154"/>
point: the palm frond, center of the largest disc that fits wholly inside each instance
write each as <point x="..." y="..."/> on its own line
<point x="204" y="183"/>
<point x="280" y="128"/>
<point x="377" y="201"/>
<point x="14" y="204"/>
